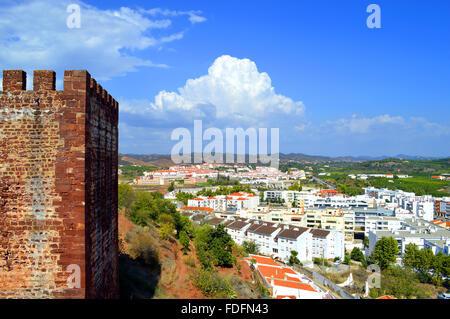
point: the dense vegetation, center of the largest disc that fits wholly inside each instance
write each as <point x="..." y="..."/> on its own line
<point x="430" y="268"/>
<point x="418" y="185"/>
<point x="424" y="168"/>
<point x="345" y="184"/>
<point x="184" y="197"/>
<point x="144" y="208"/>
<point x="421" y="270"/>
<point x="221" y="180"/>
<point x="224" y="190"/>
<point x="214" y="247"/>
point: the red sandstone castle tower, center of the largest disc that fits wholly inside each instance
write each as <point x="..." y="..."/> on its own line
<point x="58" y="188"/>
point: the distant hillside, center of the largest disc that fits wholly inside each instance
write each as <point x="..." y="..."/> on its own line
<point x="377" y="163"/>
<point x="146" y="160"/>
<point x="425" y="168"/>
<point x="318" y="158"/>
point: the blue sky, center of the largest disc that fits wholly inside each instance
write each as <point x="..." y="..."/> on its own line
<point x="312" y="68"/>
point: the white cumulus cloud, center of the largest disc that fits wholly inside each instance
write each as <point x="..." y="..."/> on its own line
<point x="233" y="92"/>
<point x="34" y="35"/>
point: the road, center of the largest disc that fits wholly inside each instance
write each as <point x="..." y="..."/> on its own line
<point x="320" y="181"/>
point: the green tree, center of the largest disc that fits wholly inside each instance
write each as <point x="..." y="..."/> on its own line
<point x="424" y="265"/>
<point x="171" y="187"/>
<point x="214" y="246"/>
<point x="385" y="252"/>
<point x="347" y="259"/>
<point x="150" y="206"/>
<point x="293" y="260"/>
<point x="366" y="242"/>
<point x="400" y="283"/>
<point x="126" y="196"/>
<point x="166" y="219"/>
<point x="410" y="257"/>
<point x="186" y="225"/>
<point x="438" y="267"/>
<point x="166" y="230"/>
<point x="184" y="197"/>
<point x="250" y="247"/>
<point x="184" y="241"/>
<point x="357" y="254"/>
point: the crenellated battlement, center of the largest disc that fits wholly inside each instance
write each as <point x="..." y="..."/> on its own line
<point x="14" y="80"/>
<point x="75" y="82"/>
<point x="58" y="184"/>
<point x="45" y="80"/>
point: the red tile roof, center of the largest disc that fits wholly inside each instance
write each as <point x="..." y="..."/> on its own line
<point x="290" y="284"/>
<point x="386" y="297"/>
<point x="286" y="297"/>
<point x="277" y="273"/>
<point x="263" y="260"/>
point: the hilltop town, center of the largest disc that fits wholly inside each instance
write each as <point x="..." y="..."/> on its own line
<point x="300" y="235"/>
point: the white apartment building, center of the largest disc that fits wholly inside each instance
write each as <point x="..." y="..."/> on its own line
<point x="224" y="202"/>
<point x="278" y="240"/>
<point x="327" y="244"/>
<point x="263" y="234"/>
<point x="419" y="232"/>
<point x="382" y="223"/>
<point x="293" y="238"/>
<point x="237" y="230"/>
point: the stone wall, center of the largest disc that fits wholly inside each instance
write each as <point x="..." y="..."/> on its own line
<point x="58" y="187"/>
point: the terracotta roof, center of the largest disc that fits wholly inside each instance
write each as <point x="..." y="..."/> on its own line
<point x="263" y="260"/>
<point x="320" y="232"/>
<point x="291" y="284"/>
<point x="327" y="191"/>
<point x="278" y="273"/>
<point x="386" y="297"/>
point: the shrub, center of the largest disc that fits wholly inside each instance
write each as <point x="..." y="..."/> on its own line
<point x="321" y="261"/>
<point x="184" y="241"/>
<point x="213" y="285"/>
<point x="190" y="261"/>
<point x="142" y="246"/>
<point x="126" y="196"/>
<point x="400" y="283"/>
<point x="293" y="260"/>
<point x="166" y="231"/>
